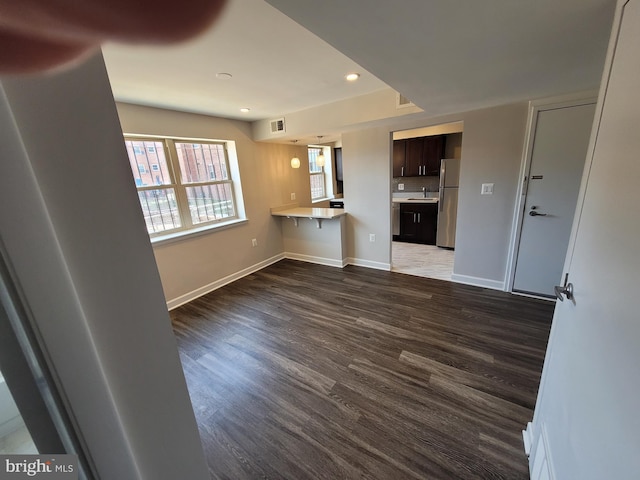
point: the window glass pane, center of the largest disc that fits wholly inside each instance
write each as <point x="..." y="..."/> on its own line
<point x="202" y="162"/>
<point x="317" y="185"/>
<point x="313" y="154"/>
<point x="160" y="209"/>
<point x="210" y="202"/>
<point x="148" y="163"/>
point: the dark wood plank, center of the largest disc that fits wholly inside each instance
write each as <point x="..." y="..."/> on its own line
<point x="301" y="371"/>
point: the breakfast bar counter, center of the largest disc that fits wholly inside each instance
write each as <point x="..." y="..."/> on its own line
<point x="315" y="235"/>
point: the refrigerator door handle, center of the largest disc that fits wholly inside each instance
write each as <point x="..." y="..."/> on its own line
<point x="441" y="199"/>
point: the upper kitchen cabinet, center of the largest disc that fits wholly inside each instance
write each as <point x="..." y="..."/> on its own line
<point x="399" y="147"/>
<point x="414" y="157"/>
<point x="418" y="157"/>
<point x="432" y="153"/>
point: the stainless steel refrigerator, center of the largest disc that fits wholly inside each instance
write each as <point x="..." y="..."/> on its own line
<point x="448" y="202"/>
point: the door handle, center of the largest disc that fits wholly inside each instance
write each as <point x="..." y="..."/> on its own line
<point x="414" y="218"/>
<point x="402" y="172"/>
<point x="566" y="289"/>
<point x="418" y="218"/>
<point x="534" y="212"/>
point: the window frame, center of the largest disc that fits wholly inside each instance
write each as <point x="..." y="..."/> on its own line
<point x="187" y="226"/>
<point x="320" y="173"/>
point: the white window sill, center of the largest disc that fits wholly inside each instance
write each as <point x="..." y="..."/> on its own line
<point x="195" y="232"/>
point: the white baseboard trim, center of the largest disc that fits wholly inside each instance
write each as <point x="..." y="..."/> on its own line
<point x="187" y="297"/>
<point x="531" y="295"/>
<point x="478" y="282"/>
<point x="527" y="438"/>
<point x="331" y="262"/>
<point x="359" y="262"/>
<point x="540" y="461"/>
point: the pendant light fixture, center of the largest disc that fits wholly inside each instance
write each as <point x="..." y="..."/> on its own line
<point x="320" y="158"/>
<point x="295" y="161"/>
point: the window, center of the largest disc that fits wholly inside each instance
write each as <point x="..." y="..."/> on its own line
<point x="316" y="174"/>
<point x="190" y="186"/>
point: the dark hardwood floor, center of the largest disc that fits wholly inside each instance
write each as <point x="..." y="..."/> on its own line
<point x="301" y="371"/>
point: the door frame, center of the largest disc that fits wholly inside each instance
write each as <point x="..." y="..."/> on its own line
<point x="535" y="107"/>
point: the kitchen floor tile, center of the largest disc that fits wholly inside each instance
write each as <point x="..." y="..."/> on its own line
<point x="422" y="260"/>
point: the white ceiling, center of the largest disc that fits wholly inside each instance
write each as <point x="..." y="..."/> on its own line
<point x="446" y="56"/>
<point x="277" y="67"/>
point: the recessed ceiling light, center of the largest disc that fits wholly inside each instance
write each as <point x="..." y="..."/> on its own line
<point x="223" y="76"/>
<point x="244" y="109"/>
<point x="352" y="77"/>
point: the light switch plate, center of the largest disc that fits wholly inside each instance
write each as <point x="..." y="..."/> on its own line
<point x="487" y="189"/>
<point x="401" y="186"/>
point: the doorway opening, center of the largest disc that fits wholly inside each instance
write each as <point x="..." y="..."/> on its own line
<point x="426" y="167"/>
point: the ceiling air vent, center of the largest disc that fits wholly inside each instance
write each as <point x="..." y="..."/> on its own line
<point x="402" y="101"/>
<point x="277" y="126"/>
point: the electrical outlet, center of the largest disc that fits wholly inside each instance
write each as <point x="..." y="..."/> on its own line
<point x="254" y="242"/>
<point x="293" y="196"/>
<point x="372" y="237"/>
<point x="487" y="189"/>
<point x="401" y="186"/>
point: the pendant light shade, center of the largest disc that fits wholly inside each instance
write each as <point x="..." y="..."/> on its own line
<point x="320" y="158"/>
<point x="295" y="161"/>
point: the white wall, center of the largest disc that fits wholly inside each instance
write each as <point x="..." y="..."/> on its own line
<point x="78" y="248"/>
<point x="492" y="144"/>
<point x="491" y="152"/>
<point x="367" y="190"/>
<point x="192" y="266"/>
<point x="337" y="117"/>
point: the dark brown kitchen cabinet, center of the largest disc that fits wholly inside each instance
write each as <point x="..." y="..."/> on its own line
<point x="414" y="157"/>
<point x="432" y="153"/>
<point x="418" y="157"/>
<point x="398" y="157"/>
<point x="418" y="223"/>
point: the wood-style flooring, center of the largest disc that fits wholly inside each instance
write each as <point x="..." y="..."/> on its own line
<point x="302" y="371"/>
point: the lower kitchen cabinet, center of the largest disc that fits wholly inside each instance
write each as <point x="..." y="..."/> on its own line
<point x="418" y="222"/>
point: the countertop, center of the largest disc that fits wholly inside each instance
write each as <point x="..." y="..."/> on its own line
<point x="415" y="197"/>
<point x="309" y="212"/>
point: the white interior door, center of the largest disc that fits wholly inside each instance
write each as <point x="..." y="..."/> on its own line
<point x="587" y="408"/>
<point x="557" y="161"/>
